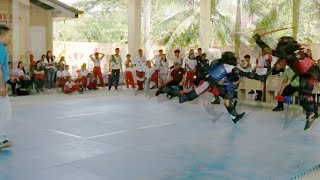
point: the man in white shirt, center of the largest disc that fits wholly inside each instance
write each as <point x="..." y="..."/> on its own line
<point x="115" y="66"/>
<point x="156" y="61"/>
<point x="96" y="59"/>
<point x="140" y="63"/>
<point x="177" y="58"/>
<point x="263" y="64"/>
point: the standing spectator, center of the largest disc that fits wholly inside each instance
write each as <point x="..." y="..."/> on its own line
<point x="128" y="72"/>
<point x="177" y="58"/>
<point x="96" y="59"/>
<point x="245" y="64"/>
<point x="148" y="75"/>
<point x="50" y="70"/>
<point x="43" y="59"/>
<point x="191" y="65"/>
<point x="164" y="70"/>
<point x="5" y="112"/>
<point x="32" y="62"/>
<point x="156" y="61"/>
<point x="39" y="76"/>
<point x="62" y="61"/>
<point x="140" y="63"/>
<point x="115" y="66"/>
<point x="199" y="57"/>
<point x="202" y="67"/>
<point x="263" y="64"/>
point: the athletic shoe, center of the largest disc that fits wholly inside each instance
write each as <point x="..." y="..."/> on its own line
<point x="309" y="124"/>
<point x="251" y="92"/>
<point x="215" y="102"/>
<point x="277" y="109"/>
<point x="5" y="144"/>
<point x="238" y="117"/>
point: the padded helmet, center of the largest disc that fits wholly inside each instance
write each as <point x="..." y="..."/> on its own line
<point x="286" y="45"/>
<point x="228" y="58"/>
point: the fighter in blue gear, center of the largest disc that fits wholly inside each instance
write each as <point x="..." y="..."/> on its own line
<point x="216" y="83"/>
<point x="290" y="52"/>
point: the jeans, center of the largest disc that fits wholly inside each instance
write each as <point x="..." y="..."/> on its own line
<point x="5" y="116"/>
<point x="39" y="83"/>
<point x="115" y="75"/>
<point x="50" y="75"/>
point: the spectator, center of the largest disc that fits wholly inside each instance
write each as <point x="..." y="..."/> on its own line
<point x="83" y="76"/>
<point x="128" y="72"/>
<point x="177" y="58"/>
<point x="176" y="79"/>
<point x="71" y="86"/>
<point x="164" y="68"/>
<point x="39" y="76"/>
<point x="61" y="78"/>
<point x="309" y="53"/>
<point x="13" y="79"/>
<point x="50" y="70"/>
<point x="43" y="58"/>
<point x="66" y="71"/>
<point x="245" y="64"/>
<point x="92" y="82"/>
<point x="318" y="62"/>
<point x="156" y="61"/>
<point x="25" y="81"/>
<point x="191" y="65"/>
<point x="140" y="63"/>
<point x="62" y="61"/>
<point x="202" y="67"/>
<point x="148" y="75"/>
<point x="199" y="57"/>
<point x="115" y="66"/>
<point x="32" y="62"/>
<point x="263" y="64"/>
<point x="96" y="59"/>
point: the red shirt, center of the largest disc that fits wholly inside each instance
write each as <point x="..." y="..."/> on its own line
<point x="177" y="74"/>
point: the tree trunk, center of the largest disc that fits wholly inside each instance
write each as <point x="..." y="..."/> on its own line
<point x="238" y="29"/>
<point x="146" y="28"/>
<point x="295" y="18"/>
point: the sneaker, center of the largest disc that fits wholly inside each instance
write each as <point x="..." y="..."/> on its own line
<point x="5" y="144"/>
<point x="109" y="88"/>
<point x="277" y="109"/>
<point x="238" y="117"/>
<point x="215" y="102"/>
<point x="309" y="124"/>
<point x="153" y="87"/>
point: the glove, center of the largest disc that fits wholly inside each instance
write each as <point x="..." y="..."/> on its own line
<point x="256" y="37"/>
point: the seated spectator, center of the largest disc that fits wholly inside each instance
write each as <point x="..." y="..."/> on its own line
<point x="71" y="86"/>
<point x="92" y="82"/>
<point x="83" y="76"/>
<point x="39" y="76"/>
<point x="13" y="79"/>
<point x="318" y="62"/>
<point x="128" y="72"/>
<point x="25" y="82"/>
<point x="43" y="58"/>
<point x="61" y="78"/>
<point x="176" y="79"/>
<point x="66" y="71"/>
<point x="149" y="75"/>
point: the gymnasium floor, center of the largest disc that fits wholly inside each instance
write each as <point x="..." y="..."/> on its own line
<point x="121" y="135"/>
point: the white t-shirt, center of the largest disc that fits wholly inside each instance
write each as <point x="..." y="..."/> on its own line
<point x="228" y="68"/>
<point x="149" y="72"/>
<point x="60" y="74"/>
<point x="115" y="61"/>
<point x="164" y="67"/>
<point x="157" y="62"/>
<point x="48" y="61"/>
<point x="96" y="62"/>
<point x="66" y="73"/>
<point x="70" y="84"/>
<point x="140" y="63"/>
<point x="84" y="73"/>
<point x="18" y="72"/>
<point x="178" y="60"/>
<point x="191" y="63"/>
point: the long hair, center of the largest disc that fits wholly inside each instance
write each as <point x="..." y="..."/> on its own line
<point x="20" y="62"/>
<point x="47" y="56"/>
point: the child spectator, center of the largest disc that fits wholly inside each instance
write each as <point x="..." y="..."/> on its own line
<point x="62" y="61"/>
<point x="164" y="68"/>
<point x="24" y="79"/>
<point x="71" y="86"/>
<point x="245" y="64"/>
<point x="319" y="63"/>
<point x="39" y="76"/>
<point x="32" y="63"/>
<point x="140" y="63"/>
<point x="83" y="76"/>
<point x="156" y="61"/>
<point x="66" y="71"/>
<point x="191" y="65"/>
<point x="115" y="66"/>
<point x="149" y="73"/>
<point x="92" y="82"/>
<point x="177" y="58"/>
<point x="61" y="79"/>
<point x="128" y="72"/>
<point x="96" y="59"/>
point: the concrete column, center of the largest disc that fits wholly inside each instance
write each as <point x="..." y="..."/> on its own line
<point x="24" y="29"/>
<point x="134" y="26"/>
<point x="205" y="24"/>
<point x="49" y="29"/>
<point x="15" y="32"/>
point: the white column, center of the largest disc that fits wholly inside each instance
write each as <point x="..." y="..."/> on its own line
<point x="205" y="24"/>
<point x="49" y="30"/>
<point x="134" y="26"/>
<point x="15" y="32"/>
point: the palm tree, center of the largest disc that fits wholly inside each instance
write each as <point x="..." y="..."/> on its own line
<point x="238" y="29"/>
<point x="295" y="18"/>
<point x="147" y="27"/>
